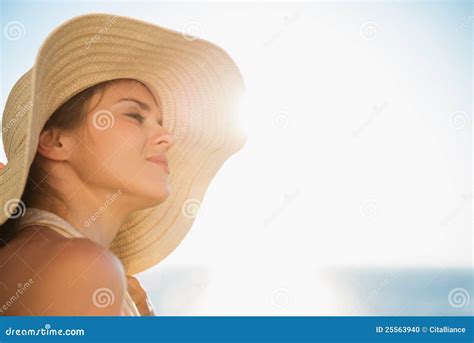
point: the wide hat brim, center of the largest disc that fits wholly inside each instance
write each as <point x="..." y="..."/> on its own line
<point x="200" y="88"/>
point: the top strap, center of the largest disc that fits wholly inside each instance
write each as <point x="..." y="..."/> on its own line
<point x="36" y="216"/>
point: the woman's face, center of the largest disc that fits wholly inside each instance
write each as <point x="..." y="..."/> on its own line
<point x="124" y="131"/>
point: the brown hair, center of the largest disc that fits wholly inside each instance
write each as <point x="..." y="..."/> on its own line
<point x="68" y="116"/>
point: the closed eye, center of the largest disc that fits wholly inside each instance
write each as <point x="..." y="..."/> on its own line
<point x="137" y="116"/>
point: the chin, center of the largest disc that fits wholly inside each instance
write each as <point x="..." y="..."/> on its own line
<point x="150" y="193"/>
<point x="157" y="198"/>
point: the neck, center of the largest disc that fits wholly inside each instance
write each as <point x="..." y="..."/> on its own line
<point x="97" y="216"/>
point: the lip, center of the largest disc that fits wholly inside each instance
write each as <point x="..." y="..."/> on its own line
<point x="159" y="160"/>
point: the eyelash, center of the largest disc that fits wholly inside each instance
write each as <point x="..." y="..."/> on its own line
<point x="137" y="116"/>
<point x="140" y="118"/>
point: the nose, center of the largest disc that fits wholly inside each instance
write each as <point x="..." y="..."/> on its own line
<point x="162" y="137"/>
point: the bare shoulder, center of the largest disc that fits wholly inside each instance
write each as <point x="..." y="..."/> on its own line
<point x="56" y="275"/>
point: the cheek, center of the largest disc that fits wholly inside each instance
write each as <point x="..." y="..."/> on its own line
<point x="120" y="148"/>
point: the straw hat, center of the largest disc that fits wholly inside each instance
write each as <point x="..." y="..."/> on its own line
<point x="200" y="88"/>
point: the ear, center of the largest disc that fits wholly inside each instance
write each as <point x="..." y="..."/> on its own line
<point x="55" y="144"/>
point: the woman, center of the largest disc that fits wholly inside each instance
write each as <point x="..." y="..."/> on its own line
<point x="122" y="126"/>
